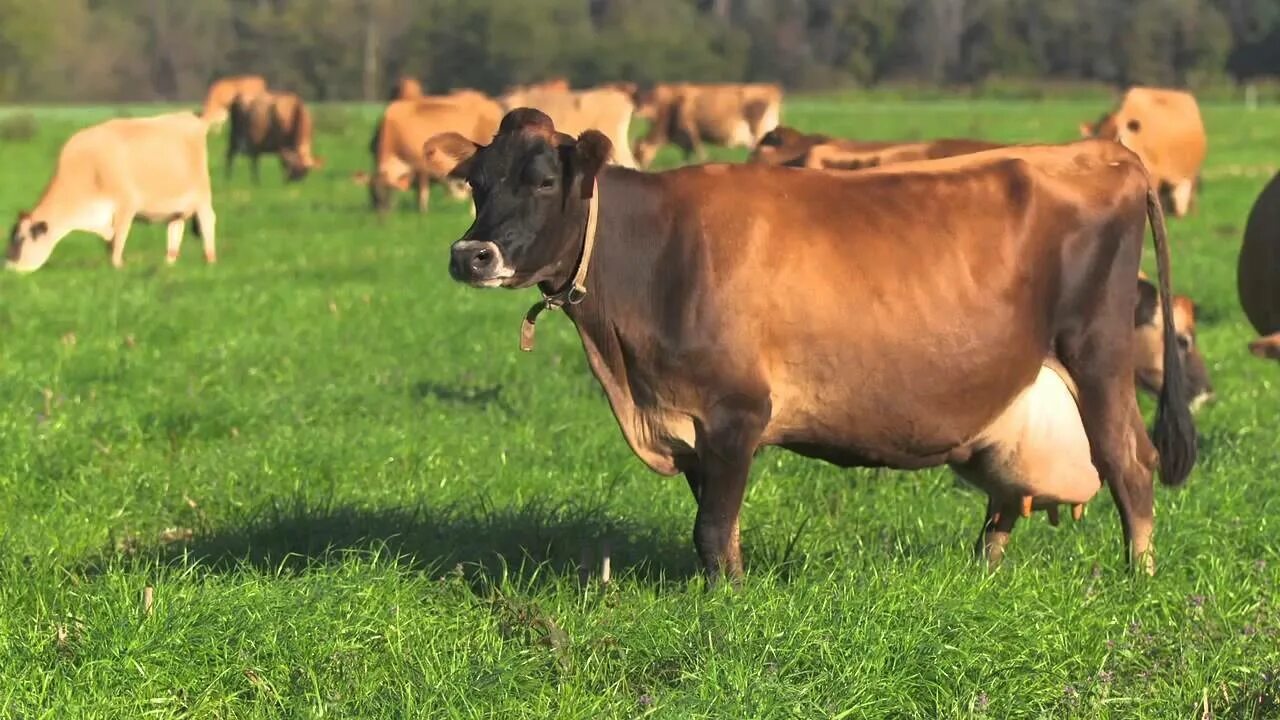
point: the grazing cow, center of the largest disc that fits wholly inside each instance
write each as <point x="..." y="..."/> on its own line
<point x="726" y="308"/>
<point x="272" y="123"/>
<point x="607" y="110"/>
<point x="156" y="168"/>
<point x="224" y="91"/>
<point x="1258" y="271"/>
<point x="400" y="156"/>
<point x="787" y="146"/>
<point x="1164" y="128"/>
<point x="1148" y="339"/>
<point x="732" y="115"/>
<point x="406" y="88"/>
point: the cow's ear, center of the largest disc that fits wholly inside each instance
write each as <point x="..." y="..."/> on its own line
<point x="590" y="153"/>
<point x="456" y="148"/>
<point x="1145" y="311"/>
<point x="1086" y="130"/>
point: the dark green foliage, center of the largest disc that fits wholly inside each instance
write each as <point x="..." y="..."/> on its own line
<point x="95" y="50"/>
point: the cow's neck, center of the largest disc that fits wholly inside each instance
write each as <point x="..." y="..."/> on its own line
<point x="615" y="319"/>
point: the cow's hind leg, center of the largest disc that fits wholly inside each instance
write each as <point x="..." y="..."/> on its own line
<point x="176" y="228"/>
<point x="1099" y="357"/>
<point x="718" y="479"/>
<point x="120" y="226"/>
<point x="206" y="228"/>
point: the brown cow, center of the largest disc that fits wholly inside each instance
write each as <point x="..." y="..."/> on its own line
<point x="406" y="88"/>
<point x="726" y="308"/>
<point x="224" y="91"/>
<point x="156" y="168"/>
<point x="731" y="115"/>
<point x="1148" y="352"/>
<point x="789" y="147"/>
<point x="786" y="146"/>
<point x="1164" y="128"/>
<point x="607" y="110"/>
<point x="1258" y="271"/>
<point x="272" y="123"/>
<point x="400" y="159"/>
<point x="847" y="155"/>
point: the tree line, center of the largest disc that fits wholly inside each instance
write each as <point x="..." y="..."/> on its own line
<point x="143" y="50"/>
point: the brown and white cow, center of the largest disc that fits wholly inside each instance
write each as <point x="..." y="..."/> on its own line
<point x="607" y="110"/>
<point x="1164" y="128"/>
<point x="1258" y="271"/>
<point x="400" y="157"/>
<point x="726" y="308"/>
<point x="272" y="123"/>
<point x="689" y="115"/>
<point x="224" y="91"/>
<point x="156" y="168"/>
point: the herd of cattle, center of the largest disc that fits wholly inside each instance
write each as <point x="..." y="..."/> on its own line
<point x="780" y="302"/>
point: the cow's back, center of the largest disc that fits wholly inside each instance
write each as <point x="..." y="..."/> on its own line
<point x="156" y="162"/>
<point x="408" y="124"/>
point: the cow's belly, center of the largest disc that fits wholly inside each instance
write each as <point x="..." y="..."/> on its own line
<point x="168" y="207"/>
<point x="1037" y="447"/>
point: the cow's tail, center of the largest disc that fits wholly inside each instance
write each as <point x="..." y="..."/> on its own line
<point x="1174" y="433"/>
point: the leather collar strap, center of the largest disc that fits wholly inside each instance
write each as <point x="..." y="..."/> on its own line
<point x="576" y="290"/>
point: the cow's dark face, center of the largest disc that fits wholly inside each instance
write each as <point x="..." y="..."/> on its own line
<point x="530" y="188"/>
<point x="1149" y="345"/>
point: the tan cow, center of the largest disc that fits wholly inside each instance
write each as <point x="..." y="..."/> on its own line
<point x="1258" y="271"/>
<point x="156" y="168"/>
<point x="607" y="110"/>
<point x="400" y="156"/>
<point x="406" y="88"/>
<point x="224" y="91"/>
<point x="1164" y="128"/>
<point x="273" y="123"/>
<point x="731" y="115"/>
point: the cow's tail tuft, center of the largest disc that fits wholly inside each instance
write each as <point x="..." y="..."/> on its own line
<point x="1174" y="433"/>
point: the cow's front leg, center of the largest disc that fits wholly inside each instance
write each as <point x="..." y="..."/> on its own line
<point x="719" y="482"/>
<point x="1001" y="515"/>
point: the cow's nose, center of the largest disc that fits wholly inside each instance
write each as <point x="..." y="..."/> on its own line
<point x="474" y="260"/>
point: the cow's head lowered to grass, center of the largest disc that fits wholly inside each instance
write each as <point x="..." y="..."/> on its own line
<point x="30" y="244"/>
<point x="531" y="187"/>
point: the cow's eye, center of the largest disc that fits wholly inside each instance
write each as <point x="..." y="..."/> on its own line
<point x="547" y="182"/>
<point x="1184" y="342"/>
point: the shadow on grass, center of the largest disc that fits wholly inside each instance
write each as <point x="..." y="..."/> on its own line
<point x="531" y="544"/>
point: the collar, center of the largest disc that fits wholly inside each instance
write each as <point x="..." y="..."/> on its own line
<point x="576" y="289"/>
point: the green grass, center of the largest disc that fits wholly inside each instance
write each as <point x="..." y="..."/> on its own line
<point x="355" y="498"/>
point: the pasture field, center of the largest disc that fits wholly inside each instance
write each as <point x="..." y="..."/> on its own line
<point x="355" y="498"/>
